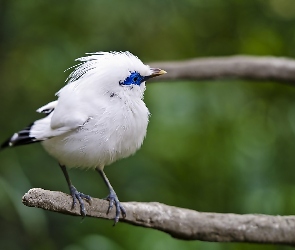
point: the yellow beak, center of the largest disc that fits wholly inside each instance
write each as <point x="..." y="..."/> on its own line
<point x="157" y="72"/>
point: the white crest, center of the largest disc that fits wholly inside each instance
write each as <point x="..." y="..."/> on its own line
<point x="103" y="71"/>
<point x="102" y="60"/>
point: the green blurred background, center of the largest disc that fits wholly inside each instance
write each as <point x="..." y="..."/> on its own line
<point x="216" y="146"/>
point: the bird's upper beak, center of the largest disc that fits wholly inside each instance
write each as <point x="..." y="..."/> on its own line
<point x="155" y="72"/>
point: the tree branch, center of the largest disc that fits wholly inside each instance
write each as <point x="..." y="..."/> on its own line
<point x="243" y="67"/>
<point x="178" y="222"/>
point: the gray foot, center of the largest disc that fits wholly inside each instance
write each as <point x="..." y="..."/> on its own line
<point x="79" y="196"/>
<point x="113" y="199"/>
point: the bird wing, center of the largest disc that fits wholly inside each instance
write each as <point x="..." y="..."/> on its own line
<point x="60" y="119"/>
<point x="67" y="117"/>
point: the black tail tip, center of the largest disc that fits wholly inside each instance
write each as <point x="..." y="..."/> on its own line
<point x="20" y="138"/>
<point x="6" y="144"/>
<point x="9" y="142"/>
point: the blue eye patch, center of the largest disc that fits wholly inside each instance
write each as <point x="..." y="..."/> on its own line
<point x="134" y="78"/>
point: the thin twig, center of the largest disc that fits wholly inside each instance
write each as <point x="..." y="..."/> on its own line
<point x="178" y="222"/>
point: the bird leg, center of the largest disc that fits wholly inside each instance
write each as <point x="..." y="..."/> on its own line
<point x="112" y="198"/>
<point x="76" y="195"/>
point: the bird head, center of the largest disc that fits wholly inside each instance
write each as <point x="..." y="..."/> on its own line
<point x="119" y="73"/>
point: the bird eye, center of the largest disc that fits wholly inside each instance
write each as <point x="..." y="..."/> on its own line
<point x="133" y="78"/>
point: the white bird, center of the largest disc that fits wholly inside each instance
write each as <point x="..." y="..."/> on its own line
<point x="99" y="117"/>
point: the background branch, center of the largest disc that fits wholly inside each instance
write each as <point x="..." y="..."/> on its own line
<point x="178" y="222"/>
<point x="242" y="67"/>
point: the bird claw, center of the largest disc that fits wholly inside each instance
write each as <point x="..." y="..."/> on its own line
<point x="113" y="199"/>
<point x="76" y="195"/>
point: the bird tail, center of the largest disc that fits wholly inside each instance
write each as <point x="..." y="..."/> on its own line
<point x="37" y="131"/>
<point x="22" y="137"/>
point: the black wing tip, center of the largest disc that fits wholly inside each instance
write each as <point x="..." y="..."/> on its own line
<point x="47" y="111"/>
